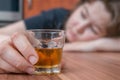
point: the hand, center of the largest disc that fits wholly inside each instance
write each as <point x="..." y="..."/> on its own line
<point x="17" y="54"/>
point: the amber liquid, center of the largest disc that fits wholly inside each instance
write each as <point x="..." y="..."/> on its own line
<point x="48" y="58"/>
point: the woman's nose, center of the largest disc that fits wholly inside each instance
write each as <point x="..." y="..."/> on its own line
<point x="82" y="26"/>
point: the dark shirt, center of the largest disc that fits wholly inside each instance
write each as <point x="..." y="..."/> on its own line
<point x="51" y="19"/>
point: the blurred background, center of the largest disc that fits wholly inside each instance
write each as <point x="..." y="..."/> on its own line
<point x="14" y="10"/>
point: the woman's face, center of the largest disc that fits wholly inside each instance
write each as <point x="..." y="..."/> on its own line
<point x="88" y="22"/>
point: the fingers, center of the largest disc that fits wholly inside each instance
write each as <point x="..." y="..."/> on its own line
<point x="12" y="57"/>
<point x="17" y="54"/>
<point x="4" y="37"/>
<point x="31" y="36"/>
<point x="6" y="67"/>
<point x="23" y="45"/>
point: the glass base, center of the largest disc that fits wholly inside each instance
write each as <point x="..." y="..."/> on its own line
<point x="53" y="70"/>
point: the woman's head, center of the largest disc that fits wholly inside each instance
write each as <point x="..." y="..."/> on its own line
<point x="91" y="20"/>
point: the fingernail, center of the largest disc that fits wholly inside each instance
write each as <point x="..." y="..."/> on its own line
<point x="30" y="70"/>
<point x="33" y="59"/>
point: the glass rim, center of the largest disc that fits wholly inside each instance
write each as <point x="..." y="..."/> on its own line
<point x="49" y="30"/>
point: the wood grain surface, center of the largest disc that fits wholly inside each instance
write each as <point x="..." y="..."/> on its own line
<point x="80" y="66"/>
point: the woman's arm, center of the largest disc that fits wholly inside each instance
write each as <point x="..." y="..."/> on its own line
<point x="51" y="19"/>
<point x="12" y="28"/>
<point x="103" y="44"/>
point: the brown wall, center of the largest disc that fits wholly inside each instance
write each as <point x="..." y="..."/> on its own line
<point x="40" y="5"/>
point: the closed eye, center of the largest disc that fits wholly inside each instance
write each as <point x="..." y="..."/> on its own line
<point x="83" y="15"/>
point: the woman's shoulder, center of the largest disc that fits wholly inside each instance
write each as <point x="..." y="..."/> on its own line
<point x="56" y="17"/>
<point x="52" y="18"/>
<point x="56" y="12"/>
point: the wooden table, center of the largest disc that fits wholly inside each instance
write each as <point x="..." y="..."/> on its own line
<point x="80" y="66"/>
